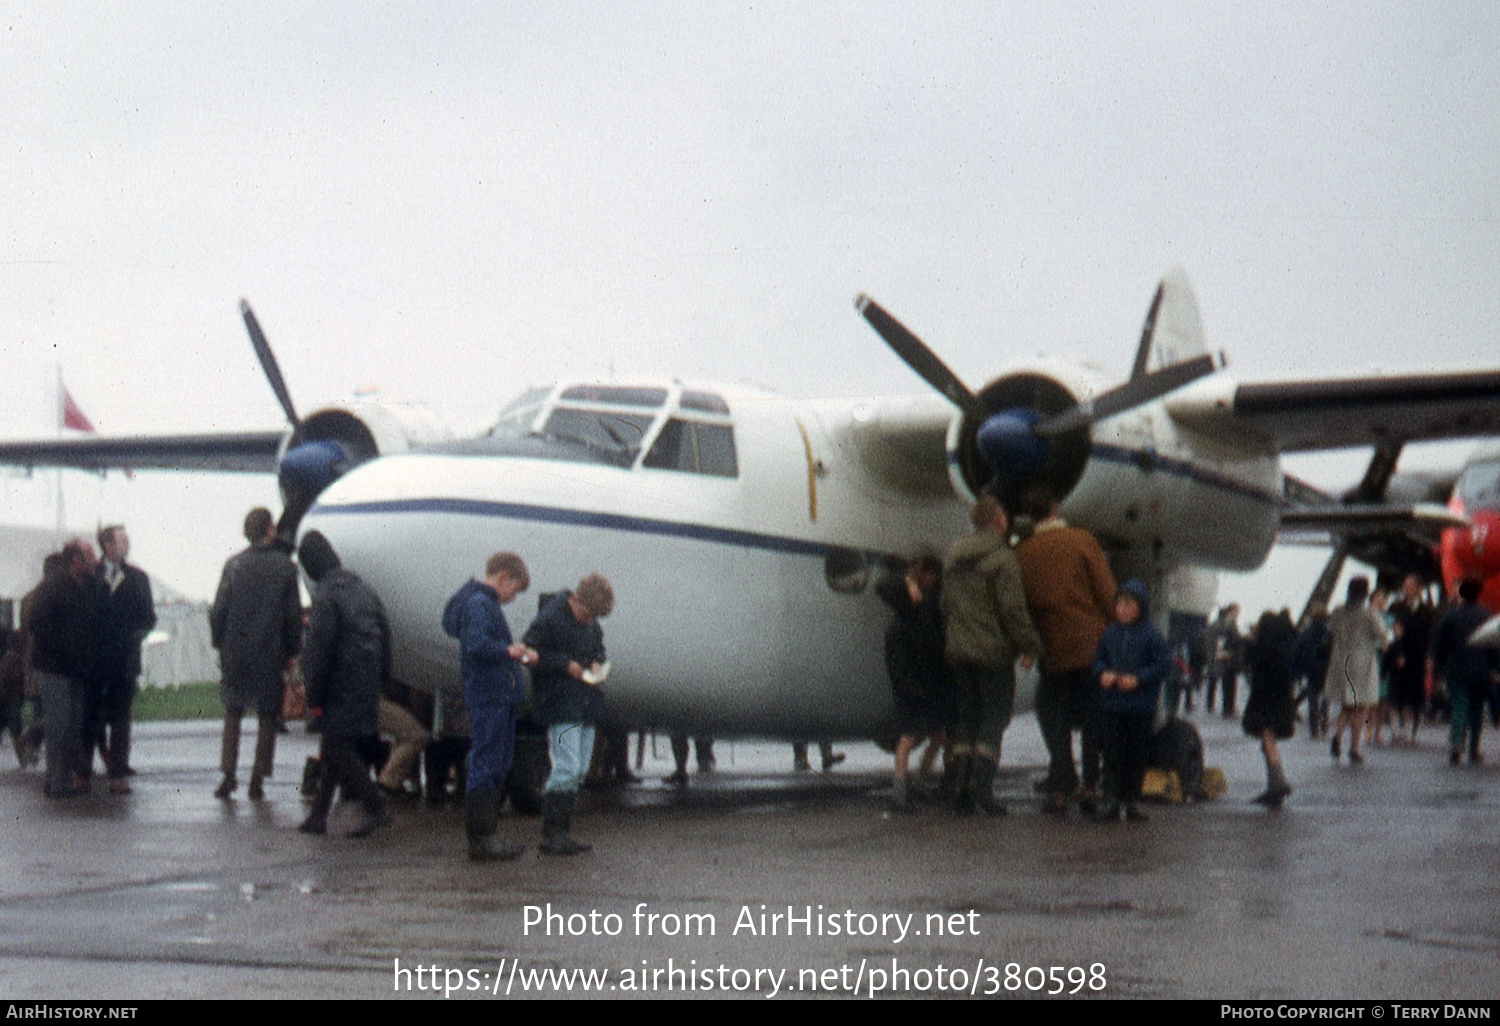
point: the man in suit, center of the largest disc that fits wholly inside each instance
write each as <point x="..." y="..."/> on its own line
<point x="126" y="615"/>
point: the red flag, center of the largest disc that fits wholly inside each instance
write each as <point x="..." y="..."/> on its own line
<point x="72" y="416"/>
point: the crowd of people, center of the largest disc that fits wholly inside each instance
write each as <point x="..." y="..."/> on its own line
<point x="961" y="626"/>
<point x="964" y="624"/>
<point x="1375" y="668"/>
<point x="1378" y="671"/>
<point x="76" y="660"/>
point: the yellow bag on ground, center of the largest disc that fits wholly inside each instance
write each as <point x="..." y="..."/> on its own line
<point x="1161" y="786"/>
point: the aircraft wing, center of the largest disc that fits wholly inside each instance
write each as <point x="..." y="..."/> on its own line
<point x="1343" y="412"/>
<point x="1418" y="520"/>
<point x="250" y="452"/>
<point x="1397" y="536"/>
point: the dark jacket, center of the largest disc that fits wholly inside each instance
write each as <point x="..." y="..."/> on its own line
<point x="490" y="675"/>
<point x="1310" y="653"/>
<point x="12" y="674"/>
<point x="346" y="656"/>
<point x="1268" y="659"/>
<point x="558" y="638"/>
<point x="126" y="616"/>
<point x="1452" y="655"/>
<point x="60" y="616"/>
<point x="913" y="644"/>
<point x="1268" y="652"/>
<point x="256" y="624"/>
<point x="1137" y="648"/>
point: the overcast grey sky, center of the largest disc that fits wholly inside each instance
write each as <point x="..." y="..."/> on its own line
<point x="450" y="201"/>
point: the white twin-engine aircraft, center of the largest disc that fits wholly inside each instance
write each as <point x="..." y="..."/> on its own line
<point x="743" y="531"/>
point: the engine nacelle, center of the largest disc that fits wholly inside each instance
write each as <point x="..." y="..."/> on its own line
<point x="367" y="429"/>
<point x="327" y="444"/>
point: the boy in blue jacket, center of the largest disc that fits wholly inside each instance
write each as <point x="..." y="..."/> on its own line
<point x="1131" y="663"/>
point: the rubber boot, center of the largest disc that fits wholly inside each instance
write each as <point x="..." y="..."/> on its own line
<point x="557" y="816"/>
<point x="1277" y="789"/>
<point x="436" y="774"/>
<point x="375" y="817"/>
<point x="983" y="785"/>
<point x="481" y="816"/>
<point x="947" y="784"/>
<point x="900" y="801"/>
<point x="963" y="796"/>
<point x="1281" y="790"/>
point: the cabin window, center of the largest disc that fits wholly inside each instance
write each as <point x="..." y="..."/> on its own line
<point x="695" y="448"/>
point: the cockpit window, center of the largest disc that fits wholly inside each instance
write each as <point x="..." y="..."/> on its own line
<point x="695" y="448"/>
<point x="618" y="395"/>
<point x="609" y="424"/>
<point x="1479" y="487"/>
<point x="615" y="436"/>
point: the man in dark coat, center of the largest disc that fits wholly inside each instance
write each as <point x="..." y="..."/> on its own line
<point x="1468" y="672"/>
<point x="1408" y="656"/>
<point x="60" y="615"/>
<point x="1227" y="646"/>
<point x="570" y="666"/>
<point x="126" y="616"/>
<point x="346" y="657"/>
<point x="256" y="624"/>
<point x="1310" y="664"/>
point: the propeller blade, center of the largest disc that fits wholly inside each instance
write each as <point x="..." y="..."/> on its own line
<point x="268" y="361"/>
<point x="918" y="357"/>
<point x="1133" y="393"/>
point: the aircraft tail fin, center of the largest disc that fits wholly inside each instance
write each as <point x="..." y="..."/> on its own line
<point x="1174" y="329"/>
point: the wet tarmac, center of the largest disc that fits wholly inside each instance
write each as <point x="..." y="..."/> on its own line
<point x="1375" y="882"/>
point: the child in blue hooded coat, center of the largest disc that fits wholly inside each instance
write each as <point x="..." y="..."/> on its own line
<point x="1131" y="663"/>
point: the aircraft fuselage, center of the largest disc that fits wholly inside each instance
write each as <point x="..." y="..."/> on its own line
<point x="742" y="561"/>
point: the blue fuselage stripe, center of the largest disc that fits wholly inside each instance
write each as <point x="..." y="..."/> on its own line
<point x="1149" y="460"/>
<point x="581" y="518"/>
